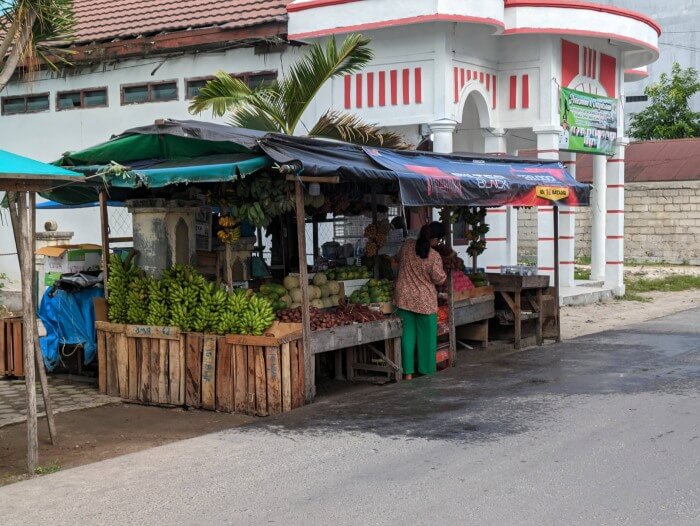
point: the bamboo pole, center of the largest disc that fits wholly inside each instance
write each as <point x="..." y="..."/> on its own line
<point x="104" y="230"/>
<point x="309" y="359"/>
<point x="24" y="249"/>
<point x="38" y="356"/>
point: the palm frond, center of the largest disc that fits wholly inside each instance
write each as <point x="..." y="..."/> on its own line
<point x="320" y="64"/>
<point x="350" y="128"/>
<point x="221" y="95"/>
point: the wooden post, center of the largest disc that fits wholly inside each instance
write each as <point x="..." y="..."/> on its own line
<point x="309" y="358"/>
<point x="228" y="264"/>
<point x="41" y="369"/>
<point x="374" y="220"/>
<point x="450" y="299"/>
<point x="24" y="249"/>
<point x="555" y="218"/>
<point x="104" y="229"/>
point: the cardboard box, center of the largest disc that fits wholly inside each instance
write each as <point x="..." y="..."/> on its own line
<point x="68" y="259"/>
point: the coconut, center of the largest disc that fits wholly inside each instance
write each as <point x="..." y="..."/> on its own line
<point x="287" y="299"/>
<point x="327" y="302"/>
<point x="320" y="279"/>
<point x="291" y="282"/>
<point x="296" y="295"/>
<point x="295" y="305"/>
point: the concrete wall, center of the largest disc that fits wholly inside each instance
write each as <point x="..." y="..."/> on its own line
<point x="662" y="224"/>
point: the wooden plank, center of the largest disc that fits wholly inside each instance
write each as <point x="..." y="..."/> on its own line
<point x="112" y="367"/>
<point x="260" y="382"/>
<point x="309" y="360"/>
<point x="3" y="362"/>
<point x="174" y="372"/>
<point x="133" y="386"/>
<point x="240" y="376"/>
<point x="181" y="349"/>
<point x="297" y="392"/>
<point x="351" y="335"/>
<point x="17" y="348"/>
<point x="109" y="327"/>
<point x="303" y="370"/>
<point x="274" y="380"/>
<point x="250" y="383"/>
<point x="209" y="372"/>
<point x="148" y="331"/>
<point x="286" y="363"/>
<point x="163" y="374"/>
<point x="145" y="384"/>
<point x="224" y="376"/>
<point x="122" y="365"/>
<point x="154" y="370"/>
<point x="193" y="367"/>
<point x="473" y="313"/>
<point x="101" y="361"/>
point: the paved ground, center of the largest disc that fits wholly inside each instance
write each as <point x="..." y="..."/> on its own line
<point x="603" y="429"/>
<point x="65" y="395"/>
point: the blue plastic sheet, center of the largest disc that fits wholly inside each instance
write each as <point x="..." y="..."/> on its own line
<point x="69" y="319"/>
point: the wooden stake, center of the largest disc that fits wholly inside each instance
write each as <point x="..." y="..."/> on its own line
<point x="41" y="369"/>
<point x="228" y="264"/>
<point x="309" y="358"/>
<point x="104" y="229"/>
<point x="27" y="273"/>
<point x="450" y="299"/>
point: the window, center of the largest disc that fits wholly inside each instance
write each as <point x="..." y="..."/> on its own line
<point x="87" y="98"/>
<point x="25" y="104"/>
<point x="254" y="79"/>
<point x="636" y="98"/>
<point x="149" y="92"/>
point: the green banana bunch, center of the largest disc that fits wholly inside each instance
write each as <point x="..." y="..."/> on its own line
<point x="137" y="300"/>
<point x="119" y="283"/>
<point x="257" y="317"/>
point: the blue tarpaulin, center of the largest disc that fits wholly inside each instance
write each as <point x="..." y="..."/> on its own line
<point x="69" y="319"/>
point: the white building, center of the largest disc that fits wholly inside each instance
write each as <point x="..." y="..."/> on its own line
<point x="477" y="75"/>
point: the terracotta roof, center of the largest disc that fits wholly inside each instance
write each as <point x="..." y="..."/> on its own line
<point x="648" y="161"/>
<point x="102" y="20"/>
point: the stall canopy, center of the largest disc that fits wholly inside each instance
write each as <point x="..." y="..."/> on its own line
<point x="166" y="153"/>
<point x="429" y="179"/>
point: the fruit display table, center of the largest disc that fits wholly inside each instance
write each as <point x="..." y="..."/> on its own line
<point x="514" y="289"/>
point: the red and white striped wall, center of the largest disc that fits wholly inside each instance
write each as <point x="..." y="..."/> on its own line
<point x="383" y="88"/>
<point x="463" y="75"/>
<point x="583" y="65"/>
<point x="567" y="230"/>
<point x="519" y="91"/>
<point x="615" y="219"/>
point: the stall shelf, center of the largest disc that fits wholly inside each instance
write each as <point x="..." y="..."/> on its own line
<point x="11" y="349"/>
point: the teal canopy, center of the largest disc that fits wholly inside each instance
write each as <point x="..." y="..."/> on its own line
<point x="12" y="164"/>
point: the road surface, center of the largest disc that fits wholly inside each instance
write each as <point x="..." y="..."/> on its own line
<point x="604" y="429"/>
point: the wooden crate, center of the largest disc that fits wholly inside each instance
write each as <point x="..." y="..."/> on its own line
<point x="473" y="293"/>
<point x="254" y="375"/>
<point x="141" y="363"/>
<point x="11" y="347"/>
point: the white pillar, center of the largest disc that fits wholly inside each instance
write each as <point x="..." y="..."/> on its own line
<point x="615" y="219"/>
<point x="598" y="208"/>
<point x="497" y="240"/>
<point x="567" y="230"/>
<point x="547" y="148"/>
<point x="443" y="132"/>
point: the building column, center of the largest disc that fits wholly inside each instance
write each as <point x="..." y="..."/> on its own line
<point x="615" y="219"/>
<point x="547" y="148"/>
<point x="598" y="208"/>
<point x="443" y="133"/>
<point x="497" y="240"/>
<point x="567" y="230"/>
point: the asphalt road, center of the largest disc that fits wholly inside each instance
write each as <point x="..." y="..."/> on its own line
<point x="604" y="429"/>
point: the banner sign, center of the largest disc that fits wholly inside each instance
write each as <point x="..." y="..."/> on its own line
<point x="434" y="180"/>
<point x="589" y="122"/>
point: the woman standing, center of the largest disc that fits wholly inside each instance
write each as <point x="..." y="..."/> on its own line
<point x="420" y="271"/>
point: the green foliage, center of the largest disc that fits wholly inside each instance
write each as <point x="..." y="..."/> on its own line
<point x="278" y="106"/>
<point x="582" y="273"/>
<point x="53" y="467"/>
<point x="669" y="115"/>
<point x="673" y="283"/>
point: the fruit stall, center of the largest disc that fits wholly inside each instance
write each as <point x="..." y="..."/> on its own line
<point x="232" y="337"/>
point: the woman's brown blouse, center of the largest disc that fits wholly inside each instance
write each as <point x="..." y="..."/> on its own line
<point x="415" y="285"/>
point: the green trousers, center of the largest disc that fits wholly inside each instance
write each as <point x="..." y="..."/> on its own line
<point x="419" y="332"/>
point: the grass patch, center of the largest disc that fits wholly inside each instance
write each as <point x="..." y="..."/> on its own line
<point x="582" y="273"/>
<point x="635" y="296"/>
<point x="48" y="468"/>
<point x="583" y="260"/>
<point x="664" y="284"/>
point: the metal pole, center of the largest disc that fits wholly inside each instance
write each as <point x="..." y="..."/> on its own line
<point x="104" y="230"/>
<point x="555" y="218"/>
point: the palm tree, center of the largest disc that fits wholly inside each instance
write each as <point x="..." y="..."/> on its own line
<point x="278" y="106"/>
<point x="31" y="33"/>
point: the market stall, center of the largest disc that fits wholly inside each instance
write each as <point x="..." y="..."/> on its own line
<point x="177" y="336"/>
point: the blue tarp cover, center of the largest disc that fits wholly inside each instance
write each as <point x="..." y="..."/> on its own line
<point x="69" y="319"/>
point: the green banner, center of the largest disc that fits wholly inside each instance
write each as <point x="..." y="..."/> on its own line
<point x="589" y="122"/>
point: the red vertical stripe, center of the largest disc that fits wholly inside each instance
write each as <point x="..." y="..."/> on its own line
<point x="513" y="91"/>
<point x="481" y="77"/>
<point x="526" y="91"/>
<point x="595" y="66"/>
<point x="469" y="75"/>
<point x="418" y="81"/>
<point x="370" y="90"/>
<point x="493" y="103"/>
<point x="348" y="87"/>
<point x="358" y="90"/>
<point x="585" y="61"/>
<point x="570" y="62"/>
<point x="394" y="86"/>
<point x="382" y="88"/>
<point x="406" y="81"/>
<point x="488" y="82"/>
<point x="474" y="75"/>
<point x="455" y="72"/>
<point x="461" y="78"/>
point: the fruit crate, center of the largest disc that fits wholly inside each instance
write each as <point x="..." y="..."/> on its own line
<point x="141" y="363"/>
<point x="254" y="375"/>
<point x="11" y="346"/>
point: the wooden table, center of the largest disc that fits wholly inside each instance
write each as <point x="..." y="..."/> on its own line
<point x="513" y="289"/>
<point x="387" y="331"/>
